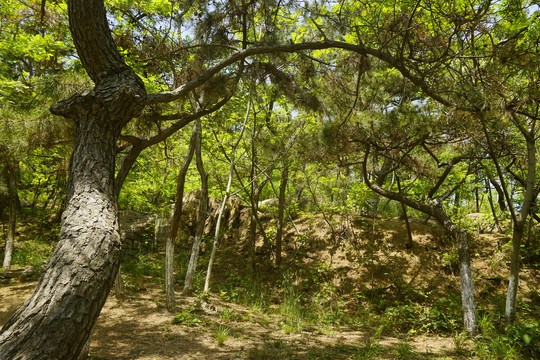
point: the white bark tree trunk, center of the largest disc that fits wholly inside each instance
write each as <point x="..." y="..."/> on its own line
<point x="224" y="204"/>
<point x="468" y="306"/>
<point x="12" y="222"/>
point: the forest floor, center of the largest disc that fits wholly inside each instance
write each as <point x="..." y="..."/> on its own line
<point x="363" y="294"/>
<point x="140" y="328"/>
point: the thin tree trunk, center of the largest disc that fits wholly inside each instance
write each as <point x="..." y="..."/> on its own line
<point x="201" y="218"/>
<point x="252" y="240"/>
<point x="254" y="221"/>
<point x="511" y="296"/>
<point x="476" y="199"/>
<point x="407" y="225"/>
<point x="467" y="287"/>
<point x="281" y="211"/>
<point x="175" y="221"/>
<point x="520" y="219"/>
<point x="492" y="206"/>
<point x="223" y="204"/>
<point x="12" y="222"/>
<point x="216" y="235"/>
<point x="519" y="225"/>
<point x="254" y="199"/>
<point x="119" y="285"/>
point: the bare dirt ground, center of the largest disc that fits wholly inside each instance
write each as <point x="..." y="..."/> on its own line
<point x="362" y="256"/>
<point x="140" y="328"/>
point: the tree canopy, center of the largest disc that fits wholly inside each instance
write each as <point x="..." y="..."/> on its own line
<point x="424" y="103"/>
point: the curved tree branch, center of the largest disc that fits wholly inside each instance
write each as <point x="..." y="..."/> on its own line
<point x="169" y="96"/>
<point x="140" y="144"/>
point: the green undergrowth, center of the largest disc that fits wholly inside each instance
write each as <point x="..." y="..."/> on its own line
<point x="189" y="316"/>
<point x="298" y="300"/>
<point x="324" y="310"/>
<point x="34" y="240"/>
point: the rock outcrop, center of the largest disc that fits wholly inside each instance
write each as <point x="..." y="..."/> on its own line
<point x="151" y="230"/>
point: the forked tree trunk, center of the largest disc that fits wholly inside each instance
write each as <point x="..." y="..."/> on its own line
<point x="201" y="218"/>
<point x="56" y="321"/>
<point x="12" y="222"/>
<point x="175" y="222"/>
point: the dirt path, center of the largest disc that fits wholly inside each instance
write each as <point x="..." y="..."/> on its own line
<point x="140" y="328"/>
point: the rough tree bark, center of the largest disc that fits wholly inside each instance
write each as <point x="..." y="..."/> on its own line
<point x="175" y="222"/>
<point x="56" y="321"/>
<point x="12" y="221"/>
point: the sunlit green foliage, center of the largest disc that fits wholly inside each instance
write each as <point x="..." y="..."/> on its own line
<point x="443" y="81"/>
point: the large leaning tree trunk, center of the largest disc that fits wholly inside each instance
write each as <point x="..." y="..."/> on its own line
<point x="56" y="321"/>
